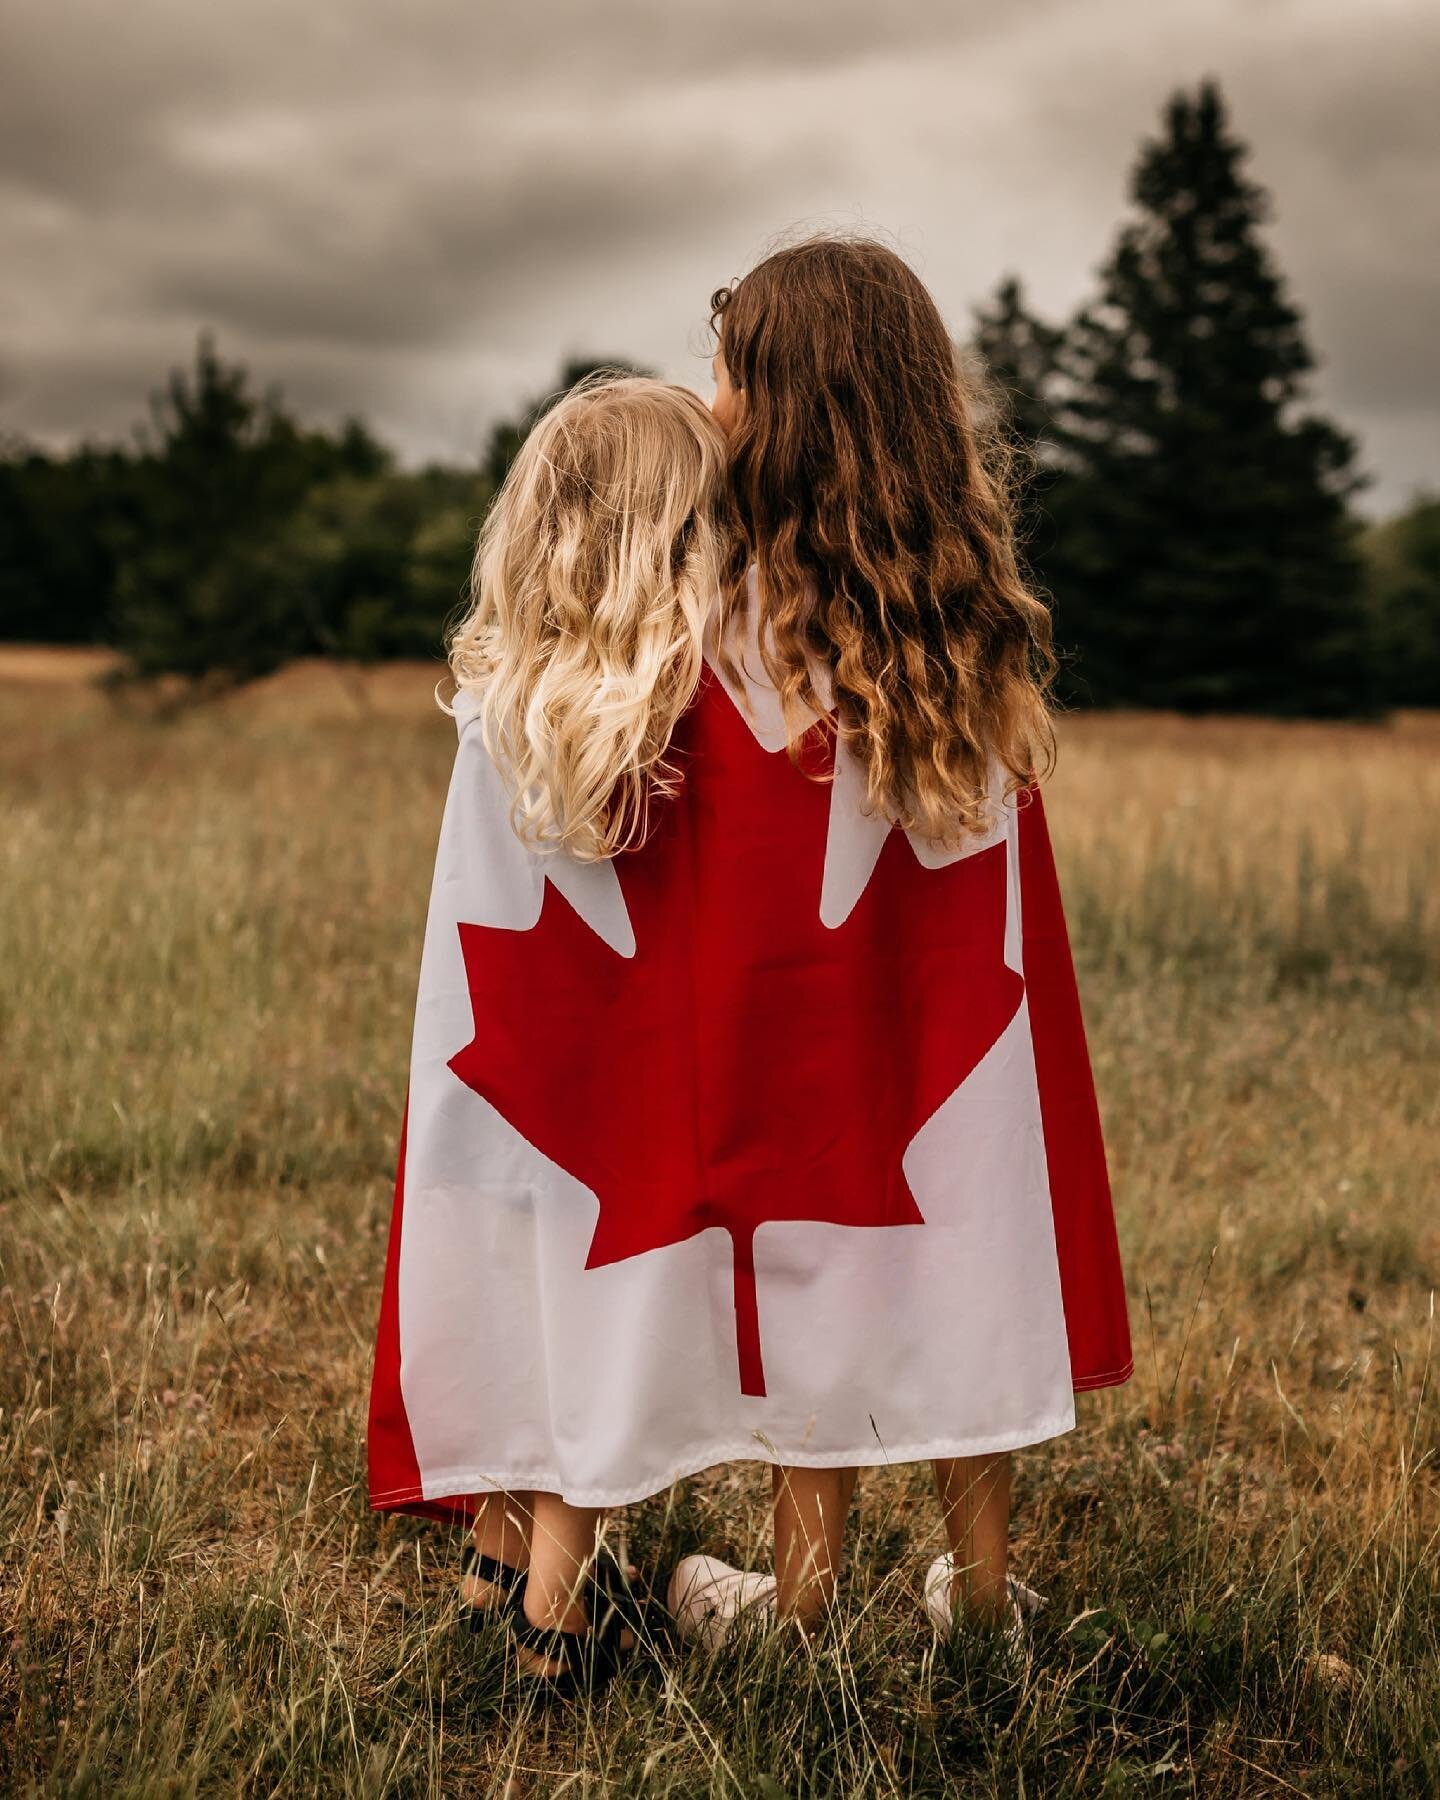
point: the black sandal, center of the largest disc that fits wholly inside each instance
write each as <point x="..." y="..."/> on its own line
<point x="589" y="1660"/>
<point x="614" y="1592"/>
<point x="500" y="1576"/>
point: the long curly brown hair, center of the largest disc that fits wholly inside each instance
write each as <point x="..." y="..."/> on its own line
<point x="877" y="516"/>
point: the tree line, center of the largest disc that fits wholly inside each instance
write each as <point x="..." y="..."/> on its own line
<point x="1188" y="513"/>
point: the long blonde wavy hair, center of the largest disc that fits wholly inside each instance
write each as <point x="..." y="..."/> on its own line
<point x="583" y="641"/>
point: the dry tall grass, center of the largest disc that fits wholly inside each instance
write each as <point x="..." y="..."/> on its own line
<point x="210" y="932"/>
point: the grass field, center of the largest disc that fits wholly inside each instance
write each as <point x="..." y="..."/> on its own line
<point x="210" y="932"/>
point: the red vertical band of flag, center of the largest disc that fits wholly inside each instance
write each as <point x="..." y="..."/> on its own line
<point x="1091" y="1281"/>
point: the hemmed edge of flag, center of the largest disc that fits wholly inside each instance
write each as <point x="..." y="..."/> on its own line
<point x="1087" y="1384"/>
<point x="453" y="1493"/>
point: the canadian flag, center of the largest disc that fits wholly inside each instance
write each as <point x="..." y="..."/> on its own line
<point x="776" y="1138"/>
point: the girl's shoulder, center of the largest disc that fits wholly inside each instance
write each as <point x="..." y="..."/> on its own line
<point x="464" y="708"/>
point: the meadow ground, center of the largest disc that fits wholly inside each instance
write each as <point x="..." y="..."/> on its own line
<point x="210" y="932"/>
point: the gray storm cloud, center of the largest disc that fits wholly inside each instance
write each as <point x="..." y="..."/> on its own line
<point x="414" y="210"/>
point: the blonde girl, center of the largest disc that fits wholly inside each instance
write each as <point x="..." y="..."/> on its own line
<point x="580" y="650"/>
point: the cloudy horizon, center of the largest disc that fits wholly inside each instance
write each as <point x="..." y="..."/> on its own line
<point x="415" y="213"/>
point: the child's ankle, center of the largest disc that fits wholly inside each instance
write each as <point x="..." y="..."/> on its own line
<point x="553" y="1605"/>
<point x="980" y="1598"/>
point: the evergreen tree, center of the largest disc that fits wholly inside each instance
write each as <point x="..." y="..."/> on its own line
<point x="383" y="563"/>
<point x="1021" y="354"/>
<point x="64" y="521"/>
<point x="1404" y="559"/>
<point x="209" y="587"/>
<point x="1205" y="557"/>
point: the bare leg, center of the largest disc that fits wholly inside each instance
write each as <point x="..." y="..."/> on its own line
<point x="811" y="1506"/>
<point x="975" y="1501"/>
<point x="502" y="1531"/>
<point x="562" y="1544"/>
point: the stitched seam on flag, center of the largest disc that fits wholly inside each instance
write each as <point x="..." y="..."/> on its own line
<point x="451" y="1484"/>
<point x="1126" y="1368"/>
<point x="1109" y="1377"/>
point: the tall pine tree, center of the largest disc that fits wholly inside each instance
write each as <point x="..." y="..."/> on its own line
<point x="207" y="587"/>
<point x="1020" y="354"/>
<point x="1204" y="555"/>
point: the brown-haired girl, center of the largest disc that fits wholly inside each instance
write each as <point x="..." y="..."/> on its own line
<point x="873" y="582"/>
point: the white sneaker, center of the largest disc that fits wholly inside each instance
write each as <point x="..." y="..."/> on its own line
<point x="1024" y="1601"/>
<point x="707" y="1596"/>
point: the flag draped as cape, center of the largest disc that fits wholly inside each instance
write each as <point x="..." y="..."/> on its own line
<point x="774" y="1139"/>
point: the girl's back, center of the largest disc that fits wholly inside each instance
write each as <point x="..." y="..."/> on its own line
<point x="750" y="1108"/>
<point x="719" y="1126"/>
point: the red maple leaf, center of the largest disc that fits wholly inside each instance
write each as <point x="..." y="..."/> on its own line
<point x="747" y="1063"/>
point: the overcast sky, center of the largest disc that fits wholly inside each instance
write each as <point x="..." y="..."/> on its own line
<point x="414" y="208"/>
